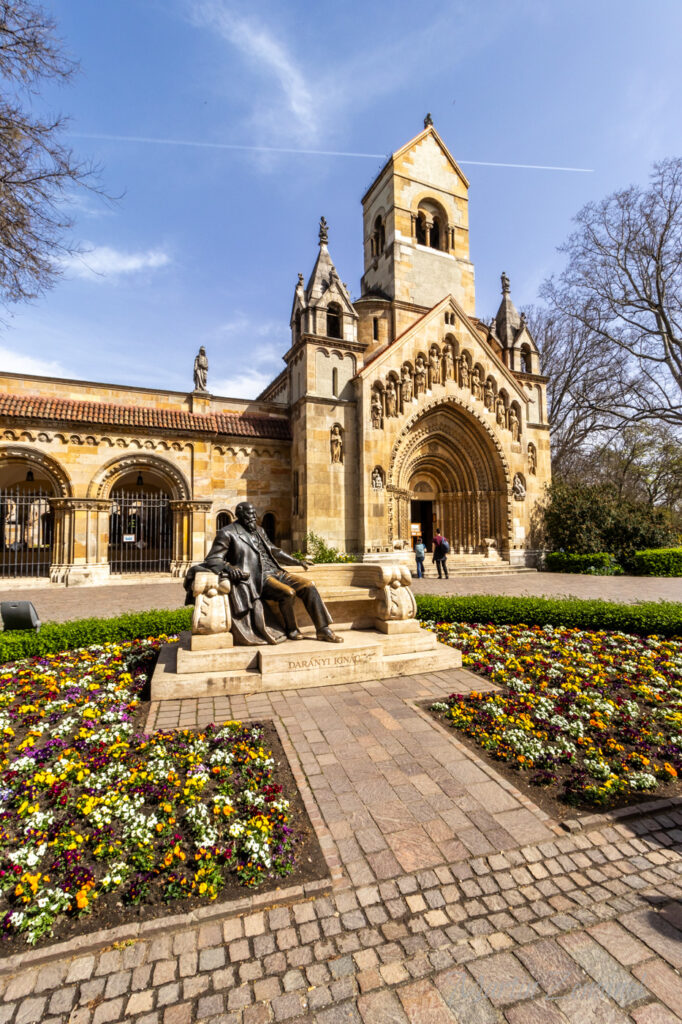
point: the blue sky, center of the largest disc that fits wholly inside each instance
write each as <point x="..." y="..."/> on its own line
<point x="205" y="244"/>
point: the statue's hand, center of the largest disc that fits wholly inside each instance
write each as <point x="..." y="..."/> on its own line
<point x="233" y="574"/>
<point x="305" y="565"/>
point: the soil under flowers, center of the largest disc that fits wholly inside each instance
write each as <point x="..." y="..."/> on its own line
<point x="96" y="815"/>
<point x="596" y="718"/>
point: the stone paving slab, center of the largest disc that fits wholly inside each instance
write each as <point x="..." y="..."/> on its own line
<point x="395" y="790"/>
<point x="420" y="948"/>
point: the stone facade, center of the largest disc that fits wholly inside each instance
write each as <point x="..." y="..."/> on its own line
<point x="399" y="411"/>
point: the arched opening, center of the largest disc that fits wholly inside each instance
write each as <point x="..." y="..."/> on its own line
<point x="420" y="229"/>
<point x="223" y="519"/>
<point x="435" y="234"/>
<point x="447" y="471"/>
<point x="334" y="320"/>
<point x="378" y="237"/>
<point x="141" y="522"/>
<point x="269" y="525"/>
<point x="526" y="359"/>
<point x="26" y="518"/>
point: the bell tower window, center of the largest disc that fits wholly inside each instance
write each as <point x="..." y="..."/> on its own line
<point x="334" y="321"/>
<point x="434" y="240"/>
<point x="421" y="229"/>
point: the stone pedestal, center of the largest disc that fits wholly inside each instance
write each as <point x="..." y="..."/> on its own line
<point x="372" y="607"/>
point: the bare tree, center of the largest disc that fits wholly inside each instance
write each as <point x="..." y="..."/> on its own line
<point x="622" y="287"/>
<point x="38" y="171"/>
<point x="583" y="386"/>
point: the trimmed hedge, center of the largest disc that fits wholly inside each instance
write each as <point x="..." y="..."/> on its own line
<point x="565" y="561"/>
<point x="63" y="636"/>
<point x="657" y="562"/>
<point x="663" y="618"/>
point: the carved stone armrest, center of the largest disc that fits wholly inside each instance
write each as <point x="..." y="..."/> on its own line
<point x="393" y="595"/>
<point x="211" y="604"/>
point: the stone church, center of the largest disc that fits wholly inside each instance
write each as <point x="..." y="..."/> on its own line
<point x="396" y="413"/>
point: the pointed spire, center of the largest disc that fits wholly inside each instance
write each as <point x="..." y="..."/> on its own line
<point x="324" y="232"/>
<point x="428" y="121"/>
<point x="507" y="320"/>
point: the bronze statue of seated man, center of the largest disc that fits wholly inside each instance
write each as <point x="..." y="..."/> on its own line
<point x="243" y="554"/>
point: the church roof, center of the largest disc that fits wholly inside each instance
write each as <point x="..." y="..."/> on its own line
<point x="325" y="278"/>
<point x="70" y="411"/>
<point x="427" y="130"/>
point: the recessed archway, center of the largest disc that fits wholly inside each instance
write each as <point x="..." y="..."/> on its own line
<point x="450" y="450"/>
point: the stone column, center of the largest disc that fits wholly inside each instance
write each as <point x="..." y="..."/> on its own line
<point x="191" y="539"/>
<point x="81" y="538"/>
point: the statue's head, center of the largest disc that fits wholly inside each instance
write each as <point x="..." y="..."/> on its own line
<point x="202" y="350"/>
<point x="246" y="515"/>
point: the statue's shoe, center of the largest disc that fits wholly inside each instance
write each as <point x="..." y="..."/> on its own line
<point x="295" y="634"/>
<point x="329" y="636"/>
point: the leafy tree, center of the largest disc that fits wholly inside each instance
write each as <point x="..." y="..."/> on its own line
<point x="590" y="518"/>
<point x="38" y="171"/>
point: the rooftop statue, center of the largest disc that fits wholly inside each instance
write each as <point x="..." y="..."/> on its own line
<point x="200" y="370"/>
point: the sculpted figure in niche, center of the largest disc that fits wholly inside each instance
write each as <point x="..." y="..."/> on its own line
<point x="200" y="370"/>
<point x="376" y="410"/>
<point x="243" y="555"/>
<point x="448" y="364"/>
<point x="419" y="377"/>
<point x="519" y="488"/>
<point x="489" y="396"/>
<point x="406" y="385"/>
<point x="476" y="383"/>
<point x="514" y="424"/>
<point x="377" y="480"/>
<point x="336" y="444"/>
<point x="434" y="367"/>
<point x="464" y="372"/>
<point x="501" y="411"/>
<point x="391" y="399"/>
<point x="532" y="459"/>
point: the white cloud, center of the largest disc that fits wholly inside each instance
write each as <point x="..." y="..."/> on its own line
<point x="12" y="361"/>
<point x="102" y="262"/>
<point x="245" y="384"/>
<point x="297" y="110"/>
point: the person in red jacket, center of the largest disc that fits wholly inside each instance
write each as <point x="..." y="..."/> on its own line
<point x="440" y="554"/>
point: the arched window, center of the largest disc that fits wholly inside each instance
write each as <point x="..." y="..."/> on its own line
<point x="334" y="320"/>
<point x="434" y="240"/>
<point x="268" y="525"/>
<point x="375" y="328"/>
<point x="223" y="519"/>
<point x="335" y="382"/>
<point x="378" y="237"/>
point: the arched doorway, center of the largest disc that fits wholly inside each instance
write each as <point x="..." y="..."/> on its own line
<point x="27" y="483"/>
<point x="141" y="522"/>
<point x="447" y="472"/>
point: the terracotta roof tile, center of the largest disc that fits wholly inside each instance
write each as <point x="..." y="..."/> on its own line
<point x="69" y="410"/>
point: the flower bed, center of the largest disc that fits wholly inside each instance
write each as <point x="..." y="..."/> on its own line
<point x="597" y="717"/>
<point x="96" y="813"/>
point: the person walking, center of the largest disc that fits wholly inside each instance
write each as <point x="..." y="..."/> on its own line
<point x="420" y="555"/>
<point x="440" y="554"/>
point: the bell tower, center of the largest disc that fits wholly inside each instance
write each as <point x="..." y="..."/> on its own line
<point x="416" y="230"/>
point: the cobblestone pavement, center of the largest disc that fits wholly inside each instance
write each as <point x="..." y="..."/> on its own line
<point x="57" y="604"/>
<point x="453" y="899"/>
<point x="583" y="929"/>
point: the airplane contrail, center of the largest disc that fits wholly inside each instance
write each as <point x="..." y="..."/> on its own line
<point x="303" y="152"/>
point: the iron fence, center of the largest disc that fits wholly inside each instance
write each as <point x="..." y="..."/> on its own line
<point x="26" y="531"/>
<point x="140" y="533"/>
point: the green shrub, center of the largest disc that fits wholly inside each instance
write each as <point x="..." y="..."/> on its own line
<point x="321" y="553"/>
<point x="657" y="562"/>
<point x="599" y="564"/>
<point x="63" y="636"/>
<point x="663" y="618"/>
<point x="592" y="518"/>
